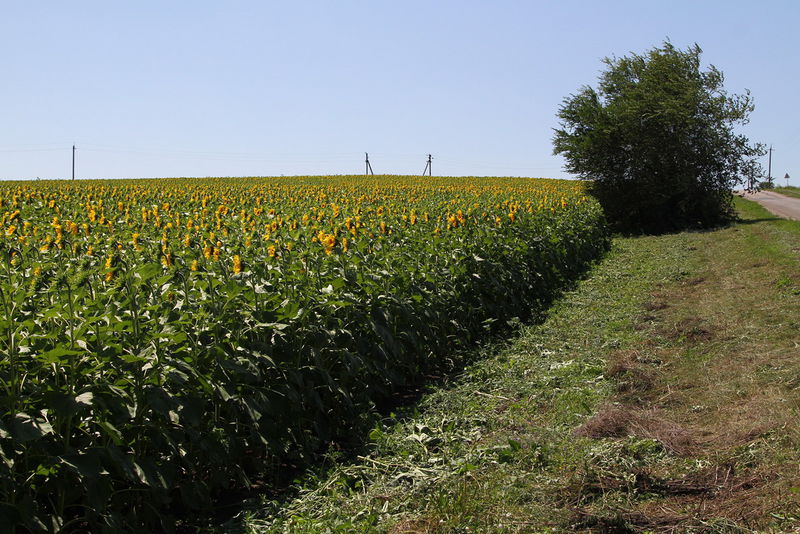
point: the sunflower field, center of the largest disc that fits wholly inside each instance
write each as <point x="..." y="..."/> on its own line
<point x="164" y="341"/>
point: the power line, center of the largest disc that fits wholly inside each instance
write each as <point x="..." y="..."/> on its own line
<point x="317" y="160"/>
<point x="286" y="157"/>
<point x="209" y="153"/>
<point x="14" y="150"/>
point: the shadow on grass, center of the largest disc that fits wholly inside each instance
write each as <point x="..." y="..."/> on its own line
<point x="699" y="229"/>
<point x="758" y="220"/>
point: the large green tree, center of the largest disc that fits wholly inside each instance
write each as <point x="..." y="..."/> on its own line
<point x="658" y="140"/>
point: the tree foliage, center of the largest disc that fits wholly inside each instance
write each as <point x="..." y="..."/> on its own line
<point x="658" y="139"/>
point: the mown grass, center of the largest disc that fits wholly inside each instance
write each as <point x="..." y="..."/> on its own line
<point x="661" y="395"/>
<point x="789" y="191"/>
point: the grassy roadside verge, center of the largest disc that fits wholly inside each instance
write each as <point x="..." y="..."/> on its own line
<point x="789" y="191"/>
<point x="663" y="394"/>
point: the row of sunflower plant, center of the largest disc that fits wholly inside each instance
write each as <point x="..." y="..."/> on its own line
<point x="167" y="340"/>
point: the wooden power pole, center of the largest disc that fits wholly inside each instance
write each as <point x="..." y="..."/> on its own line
<point x="368" y="167"/>
<point x="769" y="167"/>
<point x="428" y="166"/>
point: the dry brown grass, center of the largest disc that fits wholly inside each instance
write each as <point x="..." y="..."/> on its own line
<point x="617" y="421"/>
<point x="714" y="494"/>
<point x="708" y="397"/>
<point x="690" y="329"/>
<point x="413" y="526"/>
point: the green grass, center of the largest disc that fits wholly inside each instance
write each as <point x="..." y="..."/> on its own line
<point x="789" y="191"/>
<point x="677" y="358"/>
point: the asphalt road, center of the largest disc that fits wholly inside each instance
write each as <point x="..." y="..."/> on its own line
<point x="780" y="205"/>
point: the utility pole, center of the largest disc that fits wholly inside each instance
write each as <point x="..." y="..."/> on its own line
<point x="769" y="167"/>
<point x="368" y="169"/>
<point x="428" y="167"/>
<point x="73" y="162"/>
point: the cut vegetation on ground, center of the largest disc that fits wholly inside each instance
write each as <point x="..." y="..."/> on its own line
<point x="662" y="395"/>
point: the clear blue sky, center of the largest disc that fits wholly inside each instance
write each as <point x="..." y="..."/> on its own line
<point x="180" y="88"/>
